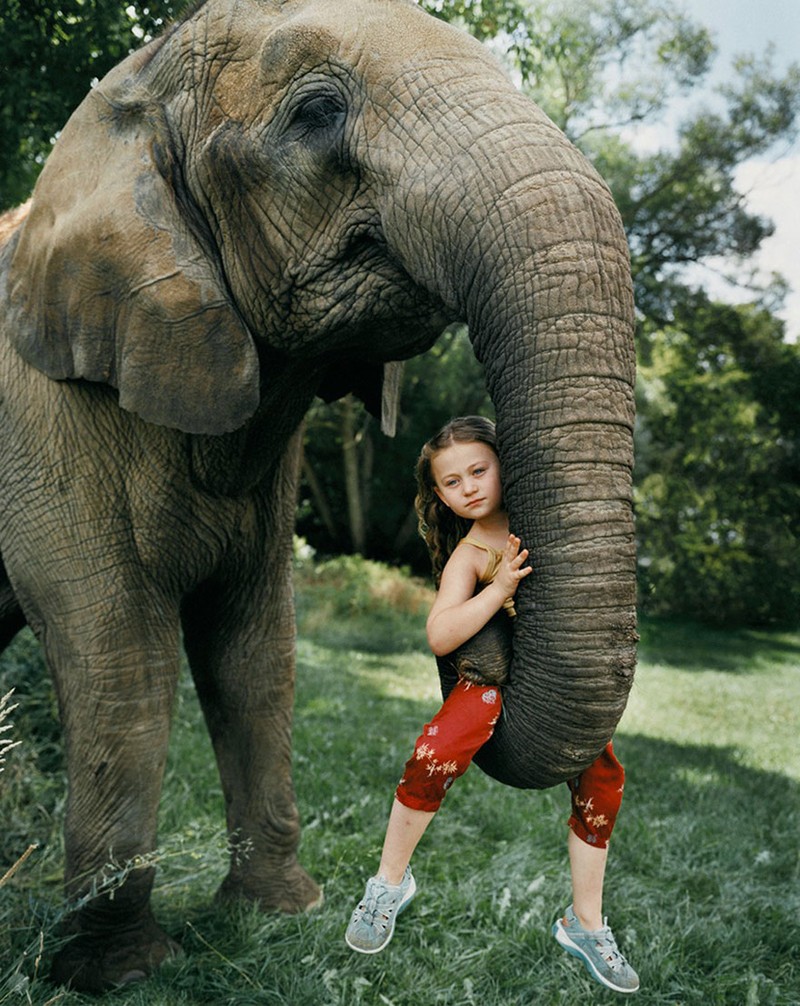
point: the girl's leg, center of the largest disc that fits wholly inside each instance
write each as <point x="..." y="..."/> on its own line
<point x="406" y="827"/>
<point x="596" y="799"/>
<point x="582" y="932"/>
<point x="588" y="866"/>
<point x="443" y="752"/>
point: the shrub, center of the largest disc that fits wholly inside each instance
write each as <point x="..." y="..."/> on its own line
<point x="353" y="601"/>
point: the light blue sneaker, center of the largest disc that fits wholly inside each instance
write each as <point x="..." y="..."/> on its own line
<point x="599" y="952"/>
<point x="372" y="923"/>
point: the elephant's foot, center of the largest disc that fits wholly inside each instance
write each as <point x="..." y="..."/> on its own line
<point x="94" y="962"/>
<point x="289" y="890"/>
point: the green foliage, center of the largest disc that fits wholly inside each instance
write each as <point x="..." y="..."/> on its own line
<point x="683" y="207"/>
<point x="513" y="21"/>
<point x="485" y="19"/>
<point x="343" y="601"/>
<point x="608" y="64"/>
<point x="679" y="205"/>
<point x="52" y="52"/>
<point x="718" y="485"/>
<point x="701" y="888"/>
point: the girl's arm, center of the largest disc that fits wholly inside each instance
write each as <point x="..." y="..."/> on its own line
<point x="458" y="612"/>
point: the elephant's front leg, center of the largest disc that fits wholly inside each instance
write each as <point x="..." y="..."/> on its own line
<point x="116" y="700"/>
<point x="240" y="638"/>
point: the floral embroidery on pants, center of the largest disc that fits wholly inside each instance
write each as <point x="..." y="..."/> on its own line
<point x="447" y="745"/>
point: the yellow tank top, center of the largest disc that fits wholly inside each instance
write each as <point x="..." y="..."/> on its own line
<point x="494" y="556"/>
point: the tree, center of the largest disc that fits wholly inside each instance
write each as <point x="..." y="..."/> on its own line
<point x="718" y="481"/>
<point x="602" y="69"/>
<point x="52" y="53"/>
<point x="717" y="476"/>
<point x="681" y="207"/>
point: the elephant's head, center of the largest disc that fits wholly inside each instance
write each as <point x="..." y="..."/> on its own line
<point x="317" y="187"/>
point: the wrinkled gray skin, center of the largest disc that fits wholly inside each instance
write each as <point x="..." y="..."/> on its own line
<point x="271" y="202"/>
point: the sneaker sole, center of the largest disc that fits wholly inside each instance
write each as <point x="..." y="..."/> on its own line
<point x="407" y="899"/>
<point x="565" y="941"/>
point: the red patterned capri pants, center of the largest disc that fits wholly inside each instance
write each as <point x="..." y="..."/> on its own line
<point x="465" y="722"/>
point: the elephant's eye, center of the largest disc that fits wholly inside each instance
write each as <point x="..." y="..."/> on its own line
<point x="316" y="113"/>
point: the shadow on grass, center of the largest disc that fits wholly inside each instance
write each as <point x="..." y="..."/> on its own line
<point x="705" y="868"/>
<point x="381" y="632"/>
<point x="691" y="646"/>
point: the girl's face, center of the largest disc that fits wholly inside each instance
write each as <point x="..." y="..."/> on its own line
<point x="467" y="479"/>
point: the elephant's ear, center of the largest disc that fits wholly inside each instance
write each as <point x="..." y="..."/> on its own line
<point x="112" y="279"/>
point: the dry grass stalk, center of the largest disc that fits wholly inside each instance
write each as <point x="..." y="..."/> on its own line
<point x="5" y="710"/>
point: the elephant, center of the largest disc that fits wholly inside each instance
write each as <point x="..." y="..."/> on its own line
<point x="276" y="200"/>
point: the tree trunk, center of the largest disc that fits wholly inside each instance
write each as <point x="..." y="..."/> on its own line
<point x="320" y="502"/>
<point x="352" y="482"/>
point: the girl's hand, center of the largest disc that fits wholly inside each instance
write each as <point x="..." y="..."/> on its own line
<point x="512" y="569"/>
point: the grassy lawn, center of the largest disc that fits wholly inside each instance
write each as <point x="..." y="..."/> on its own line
<point x="703" y="889"/>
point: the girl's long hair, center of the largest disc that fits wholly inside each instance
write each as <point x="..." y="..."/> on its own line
<point x="438" y="525"/>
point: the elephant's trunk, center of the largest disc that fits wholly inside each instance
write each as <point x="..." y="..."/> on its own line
<point x="565" y="424"/>
<point x="555" y="338"/>
<point x="542" y="276"/>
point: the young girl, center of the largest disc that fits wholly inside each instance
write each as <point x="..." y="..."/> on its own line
<point x="478" y="566"/>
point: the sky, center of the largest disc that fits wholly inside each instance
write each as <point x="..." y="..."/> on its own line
<point x="772" y="186"/>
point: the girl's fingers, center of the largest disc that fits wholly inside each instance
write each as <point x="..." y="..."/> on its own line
<point x="515" y="557"/>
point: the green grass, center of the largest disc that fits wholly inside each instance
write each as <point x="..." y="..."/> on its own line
<point x="703" y="888"/>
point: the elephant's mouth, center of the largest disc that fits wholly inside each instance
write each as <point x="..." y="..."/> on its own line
<point x="361" y="303"/>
